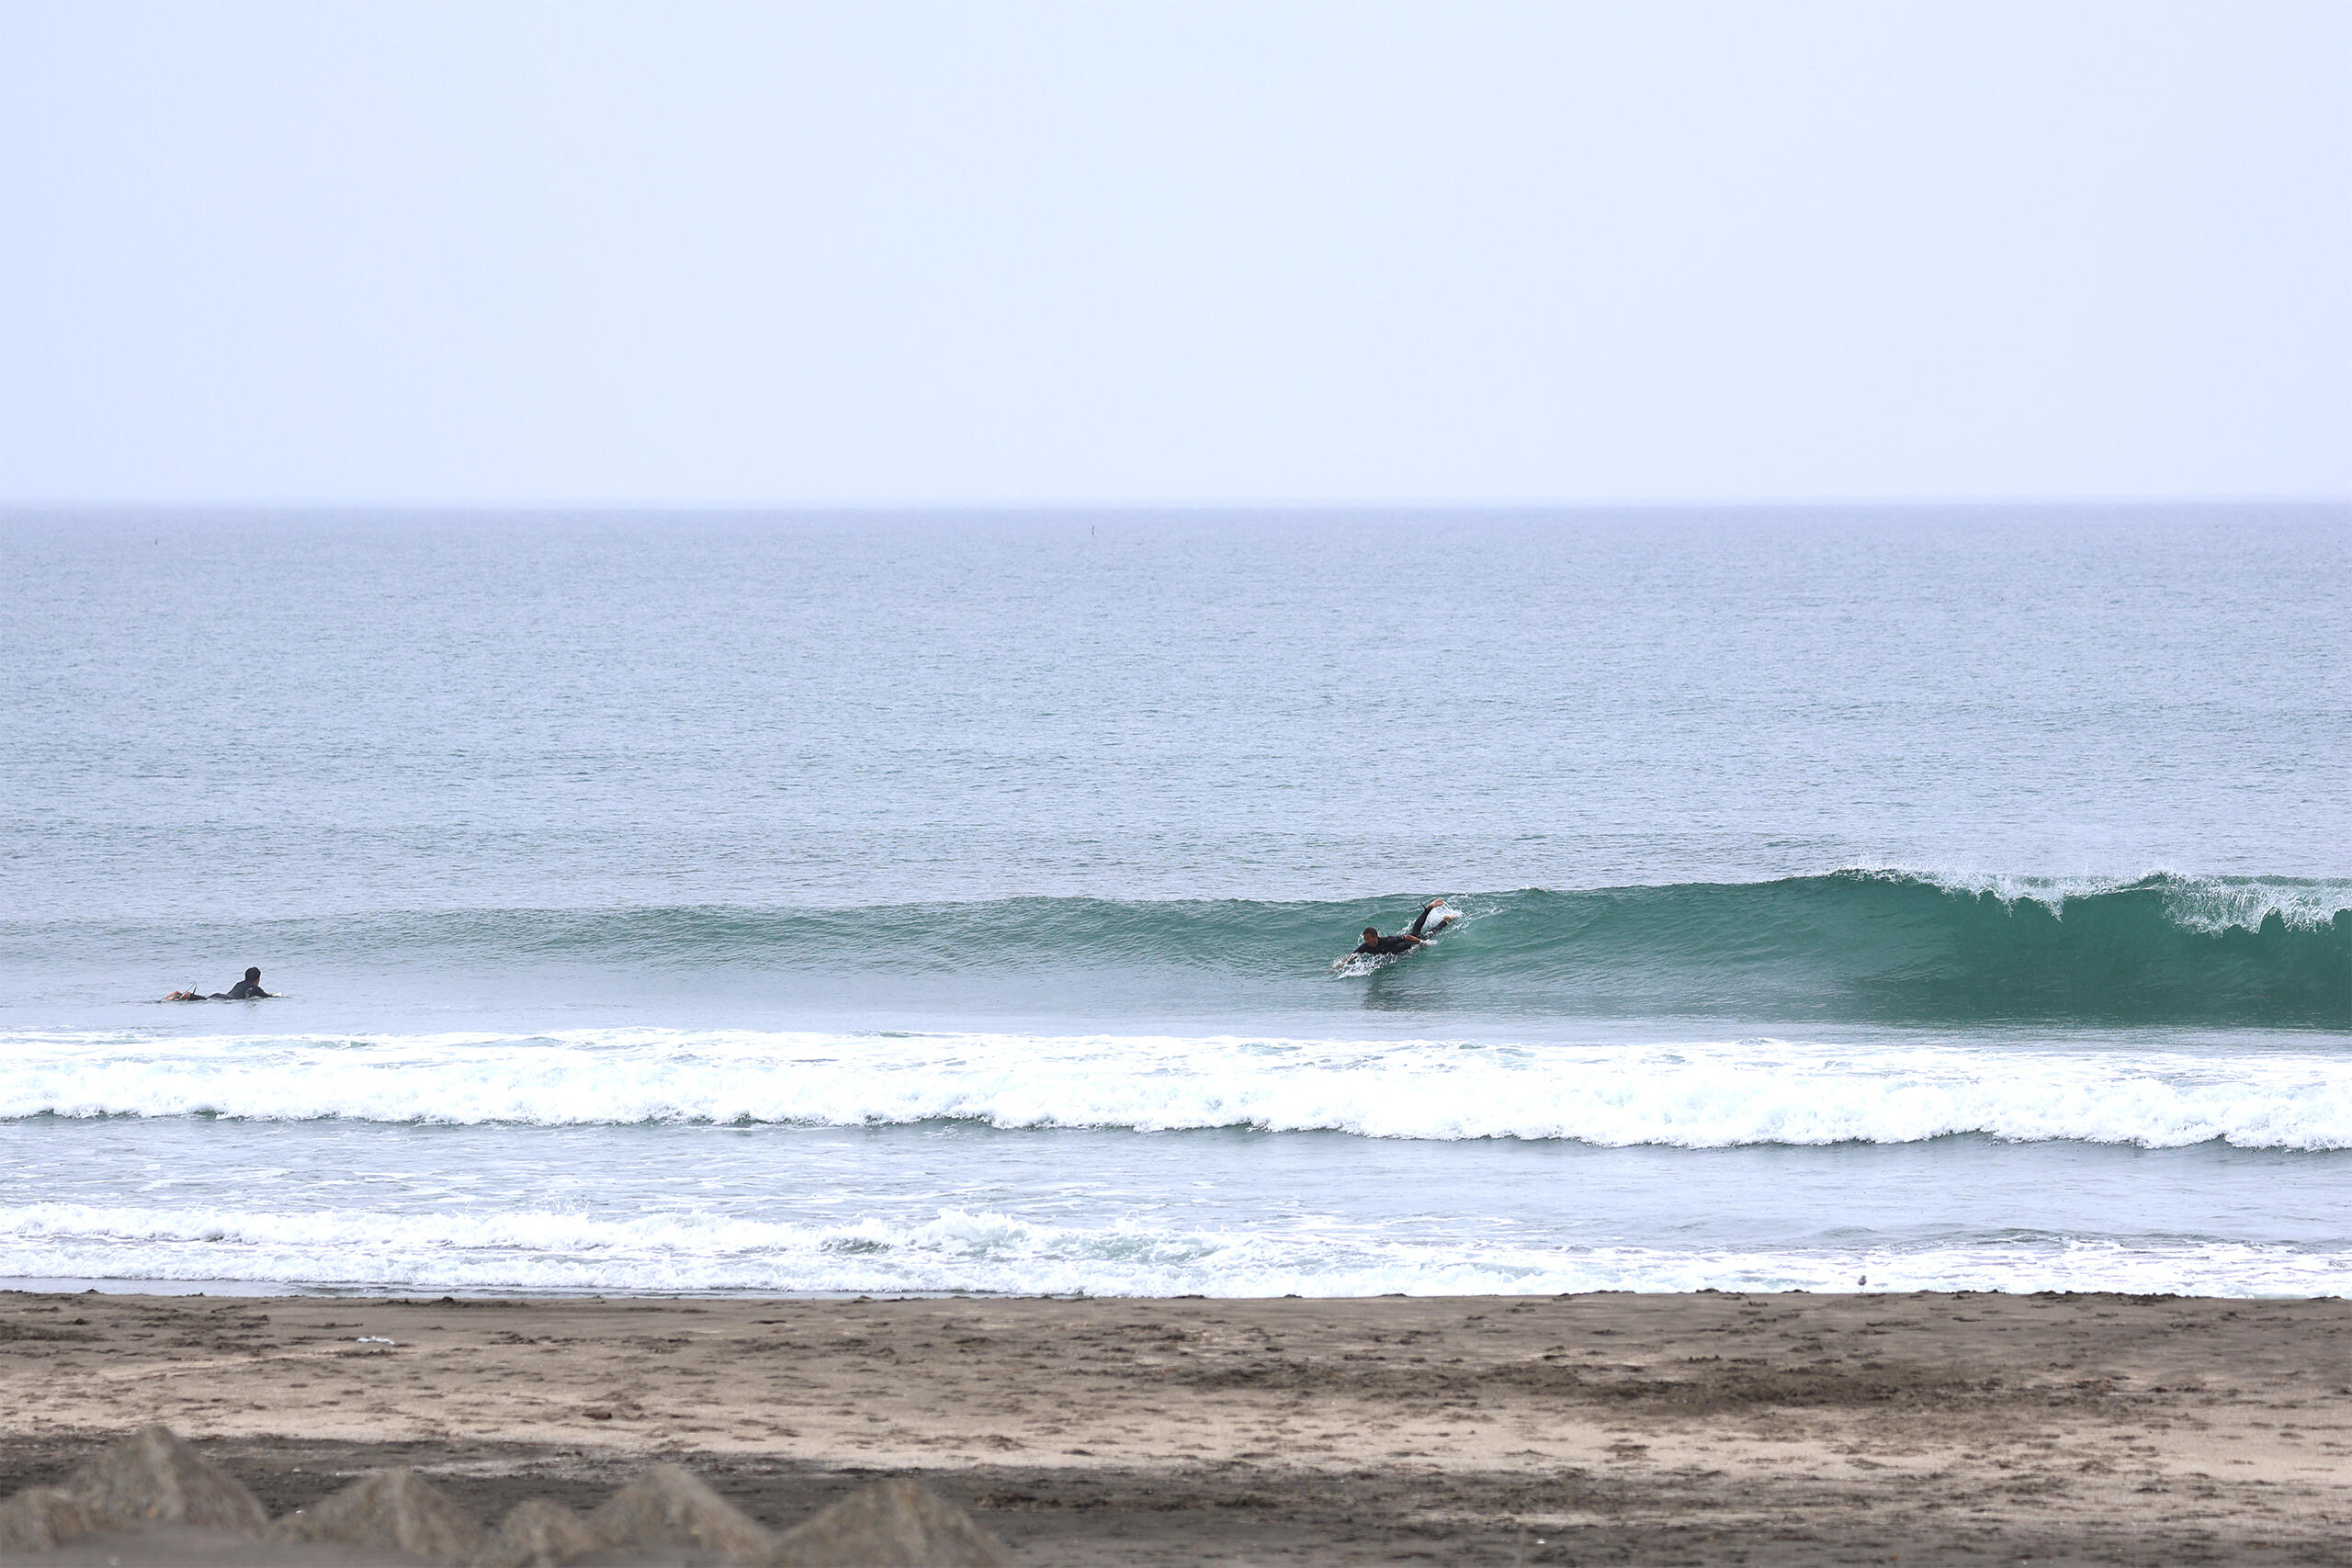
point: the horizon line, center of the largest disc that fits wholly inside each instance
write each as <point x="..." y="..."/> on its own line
<point x="10" y="506"/>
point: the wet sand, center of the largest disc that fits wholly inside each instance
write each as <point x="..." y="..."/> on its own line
<point x="1595" y="1429"/>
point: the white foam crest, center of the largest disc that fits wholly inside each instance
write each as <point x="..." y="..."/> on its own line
<point x="2207" y="904"/>
<point x="1696" y="1095"/>
<point x="2009" y="887"/>
<point x="2215" y="907"/>
<point x="960" y="1250"/>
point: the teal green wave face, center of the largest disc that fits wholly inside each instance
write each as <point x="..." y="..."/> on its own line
<point x="1850" y="946"/>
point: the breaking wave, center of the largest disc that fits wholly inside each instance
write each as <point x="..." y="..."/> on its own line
<point x="1848" y="946"/>
<point x="977" y="1250"/>
<point x="1691" y="1095"/>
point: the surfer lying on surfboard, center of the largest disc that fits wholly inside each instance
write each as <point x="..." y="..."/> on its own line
<point x="1407" y="941"/>
<point x="243" y="990"/>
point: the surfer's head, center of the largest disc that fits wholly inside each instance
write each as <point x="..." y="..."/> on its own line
<point x="1371" y="933"/>
<point x="254" y="976"/>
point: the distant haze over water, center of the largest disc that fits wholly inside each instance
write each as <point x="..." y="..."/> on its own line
<point x="286" y="714"/>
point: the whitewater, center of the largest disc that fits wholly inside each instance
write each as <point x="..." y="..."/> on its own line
<point x="1871" y="899"/>
<point x="1696" y="1095"/>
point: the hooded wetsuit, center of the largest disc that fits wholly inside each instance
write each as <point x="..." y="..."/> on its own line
<point x="242" y="991"/>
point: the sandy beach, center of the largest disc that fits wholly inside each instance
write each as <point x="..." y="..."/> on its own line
<point x="1595" y="1428"/>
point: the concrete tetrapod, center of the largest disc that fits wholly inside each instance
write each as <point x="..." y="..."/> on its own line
<point x="398" y="1508"/>
<point x="40" y="1518"/>
<point x="153" y="1478"/>
<point x="536" y="1534"/>
<point x="893" y="1524"/>
<point x="671" y="1507"/>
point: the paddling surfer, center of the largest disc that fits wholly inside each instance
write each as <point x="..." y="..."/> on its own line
<point x="1405" y="940"/>
<point x="244" y="990"/>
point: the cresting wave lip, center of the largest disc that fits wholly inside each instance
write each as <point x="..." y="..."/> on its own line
<point x="1694" y="1095"/>
<point x="1857" y="945"/>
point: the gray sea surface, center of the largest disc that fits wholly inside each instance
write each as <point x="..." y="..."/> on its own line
<point x="867" y="902"/>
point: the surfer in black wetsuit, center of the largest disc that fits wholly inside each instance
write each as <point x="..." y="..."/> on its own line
<point x="243" y="990"/>
<point x="1374" y="943"/>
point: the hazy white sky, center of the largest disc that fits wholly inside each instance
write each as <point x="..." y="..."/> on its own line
<point x="1196" y="252"/>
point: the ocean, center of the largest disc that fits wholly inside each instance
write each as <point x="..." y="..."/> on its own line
<point x="837" y="903"/>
